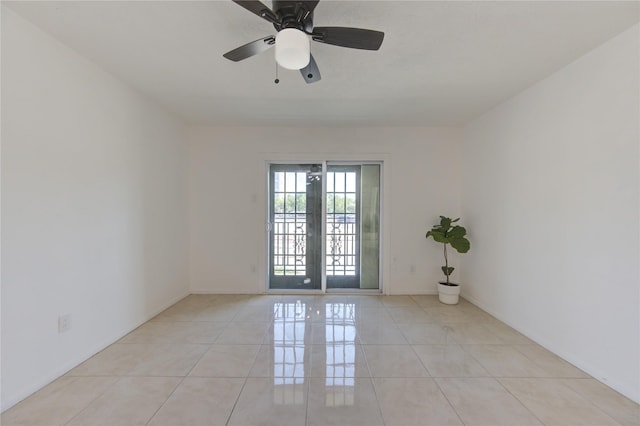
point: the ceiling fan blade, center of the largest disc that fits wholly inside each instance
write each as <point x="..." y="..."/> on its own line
<point x="259" y="8"/>
<point x="250" y="49"/>
<point x="355" y="38"/>
<point x="311" y="73"/>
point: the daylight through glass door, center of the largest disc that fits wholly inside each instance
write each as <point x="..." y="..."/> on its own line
<point x="346" y="235"/>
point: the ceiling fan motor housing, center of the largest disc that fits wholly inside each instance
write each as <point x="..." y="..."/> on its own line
<point x="293" y="14"/>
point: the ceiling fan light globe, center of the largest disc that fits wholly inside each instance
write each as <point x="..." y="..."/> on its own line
<point x="292" y="49"/>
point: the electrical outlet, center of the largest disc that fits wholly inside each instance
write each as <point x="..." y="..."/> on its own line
<point x="64" y="323"/>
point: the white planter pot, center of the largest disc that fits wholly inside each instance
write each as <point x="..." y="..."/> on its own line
<point x="448" y="294"/>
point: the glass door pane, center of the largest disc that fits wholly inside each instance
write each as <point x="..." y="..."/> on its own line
<point x="343" y="227"/>
<point x="370" y="220"/>
<point x="295" y="247"/>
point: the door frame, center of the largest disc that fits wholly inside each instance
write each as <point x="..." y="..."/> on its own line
<point x="383" y="160"/>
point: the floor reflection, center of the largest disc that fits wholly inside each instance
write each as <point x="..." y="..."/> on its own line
<point x="290" y="322"/>
<point x="340" y="341"/>
<point x="288" y="352"/>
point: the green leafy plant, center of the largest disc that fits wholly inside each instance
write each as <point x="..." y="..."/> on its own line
<point x="448" y="234"/>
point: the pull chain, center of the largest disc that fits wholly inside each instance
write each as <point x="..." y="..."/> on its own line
<point x="277" y="80"/>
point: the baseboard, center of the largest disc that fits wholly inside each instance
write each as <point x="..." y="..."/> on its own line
<point x="332" y="291"/>
<point x="10" y="402"/>
<point x="584" y="366"/>
<point x="224" y="292"/>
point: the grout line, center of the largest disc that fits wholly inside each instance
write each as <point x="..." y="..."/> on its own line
<point x="246" y="378"/>
<point x="448" y="401"/>
<point x="167" y="399"/>
<point x="306" y="402"/>
<point x="517" y="399"/>
<point x="179" y="383"/>
<point x="375" y="394"/>
<point x="476" y="360"/>
<point x="92" y="401"/>
<point x="236" y="401"/>
<point x="576" y="393"/>
<point x="183" y="378"/>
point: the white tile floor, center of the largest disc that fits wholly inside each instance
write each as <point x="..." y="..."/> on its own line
<point x="324" y="360"/>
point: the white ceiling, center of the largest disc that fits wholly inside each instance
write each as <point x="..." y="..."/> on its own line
<point x="441" y="63"/>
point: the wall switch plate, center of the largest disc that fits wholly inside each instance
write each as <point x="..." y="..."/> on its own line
<point x="64" y="323"/>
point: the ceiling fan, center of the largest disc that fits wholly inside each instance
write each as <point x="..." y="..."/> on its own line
<point x="293" y="21"/>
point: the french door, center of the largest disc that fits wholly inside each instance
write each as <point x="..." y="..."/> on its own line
<point x="295" y="226"/>
<point x="324" y="226"/>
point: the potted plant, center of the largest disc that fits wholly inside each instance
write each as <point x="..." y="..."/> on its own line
<point x="454" y="235"/>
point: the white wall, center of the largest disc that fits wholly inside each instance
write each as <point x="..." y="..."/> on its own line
<point x="550" y="193"/>
<point x="228" y="198"/>
<point x="94" y="196"/>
